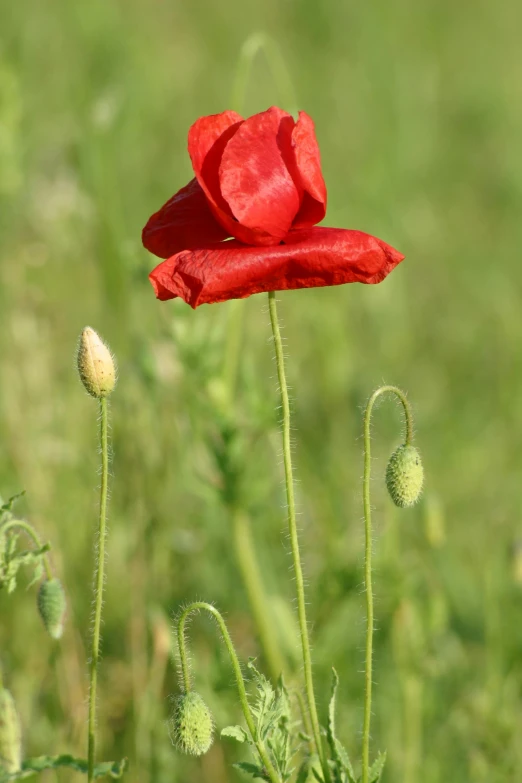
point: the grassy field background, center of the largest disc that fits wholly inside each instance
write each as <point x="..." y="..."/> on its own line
<point x="418" y="111"/>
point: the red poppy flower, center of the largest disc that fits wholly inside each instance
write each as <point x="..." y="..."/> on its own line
<point x="259" y="186"/>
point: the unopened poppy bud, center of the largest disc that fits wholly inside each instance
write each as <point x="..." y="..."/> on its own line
<point x="51" y="606"/>
<point x="405" y="476"/>
<point x="191" y="726"/>
<point x="10" y="734"/>
<point x="95" y="364"/>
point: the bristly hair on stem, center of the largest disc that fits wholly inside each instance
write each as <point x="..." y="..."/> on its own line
<point x="294" y="539"/>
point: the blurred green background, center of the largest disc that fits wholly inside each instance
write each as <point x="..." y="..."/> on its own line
<point x="418" y="111"/>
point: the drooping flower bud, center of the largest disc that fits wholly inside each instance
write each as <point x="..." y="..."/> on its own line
<point x="405" y="476"/>
<point x="10" y="734"/>
<point x="191" y="726"/>
<point x="95" y="364"/>
<point x="51" y="606"/>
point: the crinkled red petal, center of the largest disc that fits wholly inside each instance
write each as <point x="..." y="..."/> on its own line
<point x="207" y="140"/>
<point x="308" y="258"/>
<point x="185" y="221"/>
<point x="255" y="180"/>
<point x="308" y="158"/>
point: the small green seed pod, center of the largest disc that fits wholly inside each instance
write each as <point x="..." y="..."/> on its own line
<point x="95" y="364"/>
<point x="51" y="606"/>
<point x="405" y="476"/>
<point x="10" y="734"/>
<point x="191" y="726"/>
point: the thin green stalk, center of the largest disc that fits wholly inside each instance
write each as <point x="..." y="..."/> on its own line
<point x="292" y="529"/>
<point x="368" y="562"/>
<point x="251" y="574"/>
<point x="98" y="587"/>
<point x="33" y="535"/>
<point x="260" y="42"/>
<point x="185" y="675"/>
<point x="236" y="310"/>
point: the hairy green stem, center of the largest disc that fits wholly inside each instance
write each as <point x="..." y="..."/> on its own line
<point x="33" y="535"/>
<point x="292" y="529"/>
<point x="185" y="675"/>
<point x="98" y="587"/>
<point x="368" y="562"/>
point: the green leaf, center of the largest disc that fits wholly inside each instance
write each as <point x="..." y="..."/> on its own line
<point x="304" y="771"/>
<point x="342" y="757"/>
<point x="251" y="769"/>
<point x="30" y="767"/>
<point x="331" y="706"/>
<point x="236" y="732"/>
<point x="12" y="562"/>
<point x="8" y="505"/>
<point x="377" y="768"/>
<point x="318" y="774"/>
<point x="339" y="754"/>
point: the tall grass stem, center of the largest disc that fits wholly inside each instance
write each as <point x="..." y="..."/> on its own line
<point x="254" y="44"/>
<point x="251" y="574"/>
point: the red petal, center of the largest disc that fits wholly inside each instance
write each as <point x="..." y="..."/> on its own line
<point x="308" y="158"/>
<point x="207" y="140"/>
<point x="184" y="221"/>
<point x="254" y="178"/>
<point x="309" y="258"/>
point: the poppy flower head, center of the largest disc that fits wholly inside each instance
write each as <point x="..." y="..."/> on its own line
<point x="258" y="182"/>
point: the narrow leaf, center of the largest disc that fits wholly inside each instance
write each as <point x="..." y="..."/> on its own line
<point x="251" y="769"/>
<point x="30" y="767"/>
<point x="8" y="505"/>
<point x="377" y="768"/>
<point x="304" y="769"/>
<point x="339" y="753"/>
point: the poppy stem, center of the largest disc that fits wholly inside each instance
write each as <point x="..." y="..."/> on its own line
<point x="198" y="606"/>
<point x="368" y="668"/>
<point x="292" y="529"/>
<point x="98" y="587"/>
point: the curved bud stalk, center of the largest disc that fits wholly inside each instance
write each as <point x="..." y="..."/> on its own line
<point x="10" y="562"/>
<point x="193" y="707"/>
<point x="404" y="479"/>
<point x="50" y="600"/>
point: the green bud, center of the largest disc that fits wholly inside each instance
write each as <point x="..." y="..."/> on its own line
<point x="405" y="476"/>
<point x="51" y="606"/>
<point x="95" y="364"/>
<point x="10" y="734"/>
<point x="191" y="726"/>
